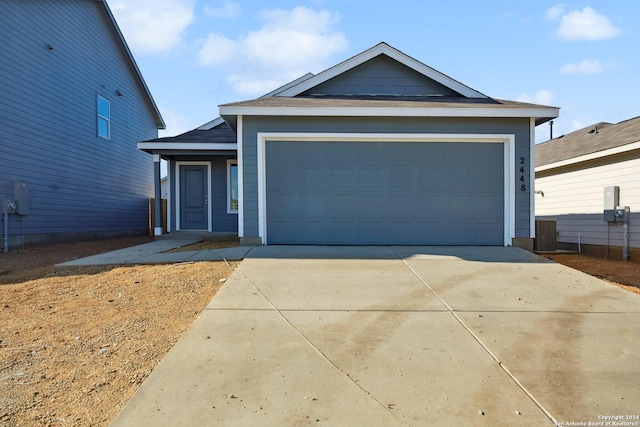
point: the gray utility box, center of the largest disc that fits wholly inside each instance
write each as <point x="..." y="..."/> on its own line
<point x="611" y="202"/>
<point x="21" y="196"/>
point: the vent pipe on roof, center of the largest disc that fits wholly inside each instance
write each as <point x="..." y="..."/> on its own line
<point x="551" y="129"/>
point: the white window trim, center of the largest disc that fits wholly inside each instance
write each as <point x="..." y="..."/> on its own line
<point x="178" y="198"/>
<point x="508" y="140"/>
<point x="230" y="210"/>
<point x="99" y="116"/>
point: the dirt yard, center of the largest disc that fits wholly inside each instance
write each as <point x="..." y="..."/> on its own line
<point x="75" y="345"/>
<point x="625" y="274"/>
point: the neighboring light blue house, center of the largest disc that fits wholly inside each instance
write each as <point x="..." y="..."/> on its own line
<point x="73" y="107"/>
<point x="379" y="149"/>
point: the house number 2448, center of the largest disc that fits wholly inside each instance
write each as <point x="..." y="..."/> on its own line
<point x="523" y="186"/>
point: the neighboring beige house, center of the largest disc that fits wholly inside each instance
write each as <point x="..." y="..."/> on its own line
<point x="571" y="174"/>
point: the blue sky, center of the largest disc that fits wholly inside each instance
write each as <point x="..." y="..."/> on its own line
<point x="579" y="56"/>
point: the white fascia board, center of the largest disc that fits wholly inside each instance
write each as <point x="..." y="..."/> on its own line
<point x="369" y="54"/>
<point x="210" y="125"/>
<point x="194" y="146"/>
<point x="591" y="156"/>
<point x="388" y="112"/>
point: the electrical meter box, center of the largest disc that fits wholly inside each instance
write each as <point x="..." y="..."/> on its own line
<point x="21" y="197"/>
<point x="611" y="202"/>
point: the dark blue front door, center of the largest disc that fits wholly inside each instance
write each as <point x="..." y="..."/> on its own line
<point x="193" y="197"/>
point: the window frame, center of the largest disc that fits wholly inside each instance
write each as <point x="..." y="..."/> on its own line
<point x="102" y="118"/>
<point x="230" y="164"/>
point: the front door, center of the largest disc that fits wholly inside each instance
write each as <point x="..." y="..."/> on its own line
<point x="194" y="198"/>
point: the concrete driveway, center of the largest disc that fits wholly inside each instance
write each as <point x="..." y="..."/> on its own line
<point x="397" y="336"/>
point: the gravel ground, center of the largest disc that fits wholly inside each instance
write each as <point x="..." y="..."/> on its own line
<point x="76" y="345"/>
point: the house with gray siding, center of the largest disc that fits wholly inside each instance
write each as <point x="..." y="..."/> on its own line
<point x="73" y="107"/>
<point x="379" y="149"/>
<point x="577" y="173"/>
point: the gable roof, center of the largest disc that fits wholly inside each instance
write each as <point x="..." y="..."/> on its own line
<point x="593" y="141"/>
<point x="128" y="56"/>
<point x="458" y="100"/>
<point x="382" y="49"/>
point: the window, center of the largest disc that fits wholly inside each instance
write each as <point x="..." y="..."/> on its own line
<point x="104" y="118"/>
<point x="232" y="186"/>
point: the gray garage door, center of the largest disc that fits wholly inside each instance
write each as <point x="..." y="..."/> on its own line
<point x="403" y="193"/>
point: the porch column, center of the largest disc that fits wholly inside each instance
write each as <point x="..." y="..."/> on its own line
<point x="157" y="230"/>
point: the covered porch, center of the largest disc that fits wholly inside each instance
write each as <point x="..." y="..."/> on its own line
<point x="201" y="180"/>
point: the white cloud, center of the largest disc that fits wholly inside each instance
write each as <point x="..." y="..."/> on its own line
<point x="152" y="26"/>
<point x="289" y="44"/>
<point x="584" y="67"/>
<point x="227" y="11"/>
<point x="586" y="24"/>
<point x="542" y="97"/>
<point x="555" y="12"/>
<point x="217" y="50"/>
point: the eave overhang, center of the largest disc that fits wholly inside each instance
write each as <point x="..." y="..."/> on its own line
<point x="180" y="148"/>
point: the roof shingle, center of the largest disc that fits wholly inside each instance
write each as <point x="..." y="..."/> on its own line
<point x="591" y="139"/>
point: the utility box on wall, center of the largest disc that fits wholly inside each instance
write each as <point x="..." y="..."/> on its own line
<point x="21" y="197"/>
<point x="611" y="202"/>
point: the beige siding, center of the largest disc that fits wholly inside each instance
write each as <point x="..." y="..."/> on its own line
<point x="574" y="196"/>
<point x="582" y="191"/>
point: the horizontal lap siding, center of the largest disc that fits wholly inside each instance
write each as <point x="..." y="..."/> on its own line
<point x="574" y="197"/>
<point x="78" y="181"/>
<point x="580" y="189"/>
<point x="382" y="76"/>
<point x="253" y="125"/>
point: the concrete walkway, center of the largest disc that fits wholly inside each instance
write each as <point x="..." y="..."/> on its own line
<point x="400" y="336"/>
<point x="156" y="253"/>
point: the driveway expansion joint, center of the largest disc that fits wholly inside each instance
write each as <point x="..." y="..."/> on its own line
<point x="484" y="346"/>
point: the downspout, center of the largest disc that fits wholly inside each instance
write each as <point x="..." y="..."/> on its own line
<point x="625" y="234"/>
<point x="157" y="230"/>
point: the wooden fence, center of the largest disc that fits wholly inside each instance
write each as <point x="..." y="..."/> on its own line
<point x="152" y="215"/>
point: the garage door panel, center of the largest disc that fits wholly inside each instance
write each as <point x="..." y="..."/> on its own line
<point x="368" y="206"/>
<point x="402" y="179"/>
<point x="340" y="178"/>
<point x="369" y="177"/>
<point x="387" y="193"/>
<point x="340" y="205"/>
<point x="429" y="231"/>
<point x="431" y="206"/>
<point x="399" y="206"/>
<point x="297" y="232"/>
<point x="369" y="233"/>
<point x="431" y="179"/>
<point x="339" y="232"/>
